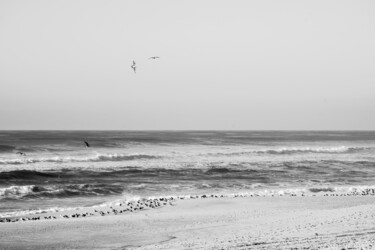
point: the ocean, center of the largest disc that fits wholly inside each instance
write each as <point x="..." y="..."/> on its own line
<point x="59" y="172"/>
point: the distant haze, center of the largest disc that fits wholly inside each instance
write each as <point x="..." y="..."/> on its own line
<point x="223" y="65"/>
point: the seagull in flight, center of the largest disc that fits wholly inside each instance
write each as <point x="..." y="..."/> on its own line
<point x="134" y="67"/>
<point x="21" y="153"/>
<point x="154" y="57"/>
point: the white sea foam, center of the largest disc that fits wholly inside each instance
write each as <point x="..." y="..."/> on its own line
<point x="295" y="150"/>
<point x="16" y="191"/>
<point x="94" y="158"/>
<point x="68" y="190"/>
<point x="342" y="190"/>
<point x="37" y="211"/>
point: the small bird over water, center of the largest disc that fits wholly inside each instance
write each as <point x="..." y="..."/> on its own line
<point x="154" y="57"/>
<point x="134" y="67"/>
<point x="87" y="144"/>
<point x="21" y="153"/>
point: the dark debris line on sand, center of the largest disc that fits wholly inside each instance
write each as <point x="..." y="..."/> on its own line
<point x="134" y="206"/>
<point x="126" y="207"/>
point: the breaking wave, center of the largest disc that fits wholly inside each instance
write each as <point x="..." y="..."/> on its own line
<point x="58" y="191"/>
<point x="96" y="158"/>
<point x="322" y="191"/>
<point x="296" y="150"/>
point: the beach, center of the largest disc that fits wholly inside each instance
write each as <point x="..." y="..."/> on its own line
<point x="283" y="222"/>
<point x="187" y="190"/>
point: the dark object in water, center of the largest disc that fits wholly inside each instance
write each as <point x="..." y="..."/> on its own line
<point x="134" y="67"/>
<point x="87" y="144"/>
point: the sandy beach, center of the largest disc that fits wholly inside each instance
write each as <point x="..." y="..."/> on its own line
<point x="287" y="222"/>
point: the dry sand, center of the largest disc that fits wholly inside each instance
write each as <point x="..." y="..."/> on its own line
<point x="314" y="222"/>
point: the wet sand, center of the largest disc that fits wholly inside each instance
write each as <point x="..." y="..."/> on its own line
<point x="334" y="222"/>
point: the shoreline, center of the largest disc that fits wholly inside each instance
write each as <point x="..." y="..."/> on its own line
<point x="223" y="222"/>
<point x="122" y="206"/>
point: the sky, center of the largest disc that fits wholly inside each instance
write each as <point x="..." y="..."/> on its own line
<point x="224" y="65"/>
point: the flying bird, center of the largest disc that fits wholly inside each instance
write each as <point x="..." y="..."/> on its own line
<point x="134" y="67"/>
<point x="154" y="57"/>
<point x="21" y="153"/>
<point x="87" y="144"/>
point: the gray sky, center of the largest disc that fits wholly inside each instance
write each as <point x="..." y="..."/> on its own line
<point x="224" y="64"/>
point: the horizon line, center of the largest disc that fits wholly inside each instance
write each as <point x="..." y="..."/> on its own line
<point x="202" y="130"/>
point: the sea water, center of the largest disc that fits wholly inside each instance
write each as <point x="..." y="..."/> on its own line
<point x="59" y="172"/>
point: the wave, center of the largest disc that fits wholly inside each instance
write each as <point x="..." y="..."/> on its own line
<point x="32" y="176"/>
<point x="15" y="191"/>
<point x="296" y="150"/>
<point x="96" y="158"/>
<point x="26" y="174"/>
<point x="58" y="191"/>
<point x="218" y="170"/>
<point x="210" y="171"/>
<point x="297" y="191"/>
<point x="312" y="191"/>
<point x="6" y="148"/>
<point x="322" y="189"/>
<point x="36" y="211"/>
